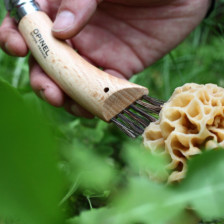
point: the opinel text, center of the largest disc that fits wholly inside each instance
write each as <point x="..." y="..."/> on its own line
<point x="39" y="40"/>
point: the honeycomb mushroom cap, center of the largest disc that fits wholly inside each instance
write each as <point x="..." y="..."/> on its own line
<point x="191" y="121"/>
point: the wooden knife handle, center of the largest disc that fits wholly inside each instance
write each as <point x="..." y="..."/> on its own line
<point x="98" y="92"/>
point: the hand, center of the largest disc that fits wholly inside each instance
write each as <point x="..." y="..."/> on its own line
<point x="121" y="36"/>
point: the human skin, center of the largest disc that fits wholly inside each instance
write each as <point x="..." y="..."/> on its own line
<point x="121" y="36"/>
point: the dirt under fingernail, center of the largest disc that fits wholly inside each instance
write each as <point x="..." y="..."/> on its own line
<point x="42" y="95"/>
<point x="7" y="48"/>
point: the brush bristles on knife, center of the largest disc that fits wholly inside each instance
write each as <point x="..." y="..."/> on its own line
<point x="109" y="98"/>
<point x="134" y="119"/>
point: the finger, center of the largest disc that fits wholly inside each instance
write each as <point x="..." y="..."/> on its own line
<point x="75" y="109"/>
<point x="47" y="90"/>
<point x="10" y="39"/>
<point x="44" y="87"/>
<point x="115" y="73"/>
<point x="72" y="17"/>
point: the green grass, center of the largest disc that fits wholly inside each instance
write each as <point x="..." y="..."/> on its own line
<point x="56" y="168"/>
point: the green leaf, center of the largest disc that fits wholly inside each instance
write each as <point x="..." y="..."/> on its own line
<point x="144" y="162"/>
<point x="91" y="135"/>
<point x="145" y="202"/>
<point x="30" y="182"/>
<point x="89" y="169"/>
<point x="95" y="216"/>
<point x="203" y="187"/>
<point x="141" y="201"/>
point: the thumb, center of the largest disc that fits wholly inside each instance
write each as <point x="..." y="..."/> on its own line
<point x="72" y="17"/>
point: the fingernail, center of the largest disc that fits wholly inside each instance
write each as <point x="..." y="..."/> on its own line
<point x="64" y="21"/>
<point x="8" y="49"/>
<point x="42" y="95"/>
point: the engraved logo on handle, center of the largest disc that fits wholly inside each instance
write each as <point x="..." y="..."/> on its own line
<point x="40" y="42"/>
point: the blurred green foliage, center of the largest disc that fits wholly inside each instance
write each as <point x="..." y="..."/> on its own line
<point x="30" y="184"/>
<point x="55" y="168"/>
